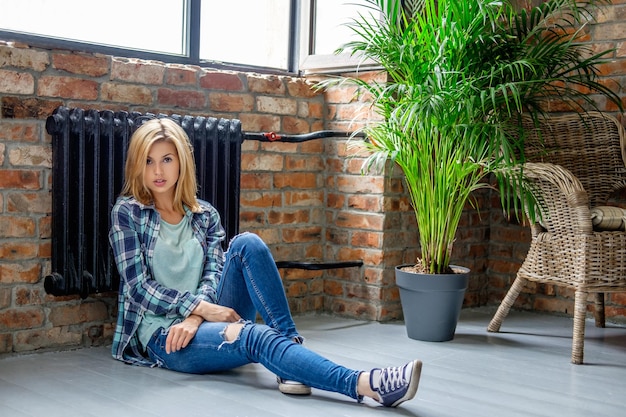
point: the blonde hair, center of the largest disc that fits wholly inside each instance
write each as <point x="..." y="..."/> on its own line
<point x="149" y="133"/>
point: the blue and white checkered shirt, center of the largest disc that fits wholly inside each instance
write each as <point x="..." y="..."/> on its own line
<point x="133" y="235"/>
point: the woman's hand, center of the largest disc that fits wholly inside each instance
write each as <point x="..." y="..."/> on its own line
<point x="182" y="333"/>
<point x="216" y="313"/>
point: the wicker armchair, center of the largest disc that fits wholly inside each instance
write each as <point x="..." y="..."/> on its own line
<point x="577" y="163"/>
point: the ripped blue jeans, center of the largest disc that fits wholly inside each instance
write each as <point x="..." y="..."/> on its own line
<point x="250" y="283"/>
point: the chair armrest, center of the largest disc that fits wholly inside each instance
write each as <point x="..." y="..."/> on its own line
<point x="563" y="200"/>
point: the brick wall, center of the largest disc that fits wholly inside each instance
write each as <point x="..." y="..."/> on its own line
<point x="307" y="201"/>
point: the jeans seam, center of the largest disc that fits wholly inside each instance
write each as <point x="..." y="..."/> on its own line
<point x="252" y="280"/>
<point x="259" y="295"/>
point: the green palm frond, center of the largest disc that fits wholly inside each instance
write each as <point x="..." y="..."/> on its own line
<point x="459" y="74"/>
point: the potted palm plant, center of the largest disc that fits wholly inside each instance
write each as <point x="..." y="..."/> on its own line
<point x="459" y="75"/>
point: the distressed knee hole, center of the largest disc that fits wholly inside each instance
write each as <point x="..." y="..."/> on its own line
<point x="232" y="331"/>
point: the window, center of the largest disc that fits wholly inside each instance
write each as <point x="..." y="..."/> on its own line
<point x="147" y="25"/>
<point x="262" y="35"/>
<point x="251" y="32"/>
<point x="331" y="17"/>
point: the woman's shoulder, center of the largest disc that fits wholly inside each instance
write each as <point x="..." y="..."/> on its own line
<point x="206" y="210"/>
<point x="204" y="205"/>
<point x="128" y="204"/>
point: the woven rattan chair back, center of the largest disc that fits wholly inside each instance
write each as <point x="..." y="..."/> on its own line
<point x="590" y="146"/>
<point x="575" y="162"/>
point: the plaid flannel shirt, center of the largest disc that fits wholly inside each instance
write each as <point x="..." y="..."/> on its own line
<point x="133" y="234"/>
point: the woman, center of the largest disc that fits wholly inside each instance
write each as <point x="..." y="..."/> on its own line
<point x="185" y="305"/>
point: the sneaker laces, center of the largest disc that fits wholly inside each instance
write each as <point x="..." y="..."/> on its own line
<point x="391" y="379"/>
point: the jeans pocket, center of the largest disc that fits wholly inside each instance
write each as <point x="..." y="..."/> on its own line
<point x="156" y="347"/>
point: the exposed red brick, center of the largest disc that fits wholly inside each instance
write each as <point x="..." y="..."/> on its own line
<point x="16" y="250"/>
<point x="5" y="294"/>
<point x="14" y="82"/>
<point x="29" y="203"/>
<point x="297" y="289"/>
<point x="6" y="342"/>
<point x="23" y="58"/>
<point x="29" y="296"/>
<point x="315" y="147"/>
<point x="27" y="108"/>
<point x="19" y="131"/>
<point x="21" y="318"/>
<point x="14" y="226"/>
<point x="276" y="105"/>
<point x="255" y="181"/>
<point x="231" y="102"/>
<point x="288" y="217"/>
<point x="279" y="147"/>
<point x="258" y="162"/>
<point x="260" y="122"/>
<point x="64" y="315"/>
<point x="94" y="66"/>
<point x="365" y="202"/>
<point x="303" y="198"/>
<point x="266" y="84"/>
<point x="367" y="239"/>
<point x="181" y="76"/>
<point x="126" y="93"/>
<point x="360" y="220"/>
<point x="64" y="336"/>
<point x="257" y="199"/>
<point x="181" y="98"/>
<point x="19" y="179"/>
<point x="302" y="234"/>
<point x="137" y="71"/>
<point x="67" y="87"/>
<point x="300" y="87"/>
<point x="333" y="288"/>
<point x="294" y="125"/>
<point x="300" y="180"/>
<point x="354" y="308"/>
<point x="304" y="163"/>
<point x="315" y="110"/>
<point x="229" y="81"/>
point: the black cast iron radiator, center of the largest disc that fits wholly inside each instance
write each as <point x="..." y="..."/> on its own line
<point x="88" y="156"/>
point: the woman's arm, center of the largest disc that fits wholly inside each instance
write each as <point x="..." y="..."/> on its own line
<point x="213" y="237"/>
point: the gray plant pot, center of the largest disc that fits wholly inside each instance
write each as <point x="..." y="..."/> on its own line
<point x="432" y="304"/>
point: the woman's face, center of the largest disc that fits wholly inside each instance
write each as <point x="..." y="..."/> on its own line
<point x="162" y="170"/>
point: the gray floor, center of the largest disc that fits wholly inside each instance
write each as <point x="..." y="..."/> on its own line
<point x="524" y="371"/>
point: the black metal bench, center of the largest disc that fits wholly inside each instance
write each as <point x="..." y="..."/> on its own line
<point x="88" y="154"/>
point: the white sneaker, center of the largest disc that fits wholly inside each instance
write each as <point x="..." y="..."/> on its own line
<point x="287" y="386"/>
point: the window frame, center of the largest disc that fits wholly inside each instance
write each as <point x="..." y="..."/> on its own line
<point x="313" y="64"/>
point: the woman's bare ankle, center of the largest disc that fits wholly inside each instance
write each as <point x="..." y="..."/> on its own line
<point x="363" y="386"/>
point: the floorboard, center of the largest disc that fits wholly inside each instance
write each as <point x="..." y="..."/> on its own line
<point x="522" y="371"/>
